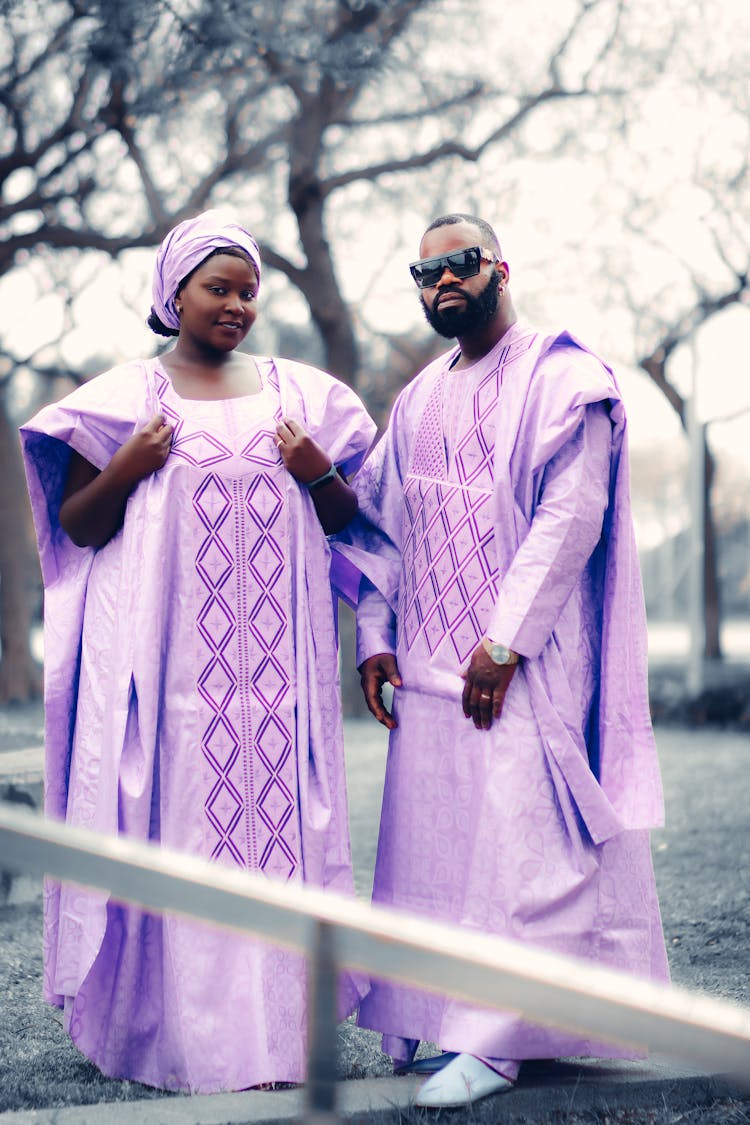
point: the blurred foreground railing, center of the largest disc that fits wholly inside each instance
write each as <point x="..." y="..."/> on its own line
<point x="337" y="932"/>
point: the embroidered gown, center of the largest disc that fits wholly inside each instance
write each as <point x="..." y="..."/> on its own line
<point x="502" y="492"/>
<point x="192" y="698"/>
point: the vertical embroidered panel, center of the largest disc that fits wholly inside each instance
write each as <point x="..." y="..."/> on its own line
<point x="244" y="676"/>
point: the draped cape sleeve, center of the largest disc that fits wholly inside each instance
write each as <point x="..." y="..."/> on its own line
<point x="546" y="408"/>
<point x="94" y="420"/>
<point x="335" y="417"/>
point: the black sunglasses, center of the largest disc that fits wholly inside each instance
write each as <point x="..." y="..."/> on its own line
<point x="461" y="263"/>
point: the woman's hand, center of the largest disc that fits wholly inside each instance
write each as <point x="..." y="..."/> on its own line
<point x="144" y="453"/>
<point x="335" y="501"/>
<point x="301" y="454"/>
<point x="93" y="506"/>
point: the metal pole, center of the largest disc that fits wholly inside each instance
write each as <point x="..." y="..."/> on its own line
<point x="696" y="592"/>
<point x="321" y="1029"/>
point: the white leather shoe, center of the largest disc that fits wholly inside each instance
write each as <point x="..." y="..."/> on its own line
<point x="464" y="1080"/>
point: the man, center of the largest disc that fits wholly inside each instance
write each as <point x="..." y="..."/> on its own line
<point x="506" y="610"/>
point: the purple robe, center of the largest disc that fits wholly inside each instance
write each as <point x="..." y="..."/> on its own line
<point x="502" y="494"/>
<point x="192" y="698"/>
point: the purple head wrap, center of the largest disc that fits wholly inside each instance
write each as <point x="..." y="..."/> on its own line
<point x="184" y="248"/>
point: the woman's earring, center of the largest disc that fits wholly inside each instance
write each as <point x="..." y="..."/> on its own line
<point x="178" y="310"/>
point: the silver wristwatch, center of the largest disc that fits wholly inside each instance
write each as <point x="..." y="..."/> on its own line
<point x="499" y="654"/>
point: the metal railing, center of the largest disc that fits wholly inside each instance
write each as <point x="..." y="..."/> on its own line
<point x="338" y="932"/>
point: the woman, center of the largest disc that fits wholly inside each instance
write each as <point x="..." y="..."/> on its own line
<point x="182" y="506"/>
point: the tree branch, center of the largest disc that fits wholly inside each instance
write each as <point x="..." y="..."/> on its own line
<point x="655" y="364"/>
<point x="117" y="111"/>
<point x="451" y="148"/>
<point x="273" y="259"/>
<point x="476" y="90"/>
<point x="74" y="123"/>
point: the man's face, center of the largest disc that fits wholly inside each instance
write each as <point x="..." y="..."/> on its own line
<point x="455" y="307"/>
<point x="454" y="314"/>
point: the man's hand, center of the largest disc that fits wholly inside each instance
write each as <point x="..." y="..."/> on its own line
<point x="374" y="672"/>
<point x="485" y="685"/>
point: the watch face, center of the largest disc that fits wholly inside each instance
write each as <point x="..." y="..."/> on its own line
<point x="500" y="654"/>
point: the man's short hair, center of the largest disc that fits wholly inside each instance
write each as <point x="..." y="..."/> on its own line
<point x="488" y="235"/>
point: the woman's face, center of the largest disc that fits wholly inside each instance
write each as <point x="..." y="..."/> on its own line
<point x="219" y="302"/>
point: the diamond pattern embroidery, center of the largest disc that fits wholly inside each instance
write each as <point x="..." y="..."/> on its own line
<point x="270" y="680"/>
<point x="194" y="445"/>
<point x="448" y="575"/>
<point x="475" y="449"/>
<point x="449" y="579"/>
<point x="200" y="449"/>
<point x="252" y="659"/>
<point x="261" y="449"/>
<point x="213" y="502"/>
<point x="245" y="680"/>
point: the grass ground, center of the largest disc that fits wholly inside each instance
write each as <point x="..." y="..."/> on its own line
<point x="40" y="1067"/>
<point x="38" y="1064"/>
<point x="702" y="858"/>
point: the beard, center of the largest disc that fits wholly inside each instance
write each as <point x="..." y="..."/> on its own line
<point x="475" y="313"/>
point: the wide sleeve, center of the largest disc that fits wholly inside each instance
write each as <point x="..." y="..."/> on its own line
<point x="566" y="527"/>
<point x="94" y="420"/>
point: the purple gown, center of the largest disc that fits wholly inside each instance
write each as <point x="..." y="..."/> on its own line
<point x="192" y="698"/>
<point x="501" y="496"/>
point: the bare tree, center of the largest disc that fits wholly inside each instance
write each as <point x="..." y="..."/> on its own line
<point x="705" y="275"/>
<point x="125" y="117"/>
<point x="656" y="364"/>
<point x="659" y="249"/>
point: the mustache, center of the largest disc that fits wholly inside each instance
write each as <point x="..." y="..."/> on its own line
<point x="454" y="292"/>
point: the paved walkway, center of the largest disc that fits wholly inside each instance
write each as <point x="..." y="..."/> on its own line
<point x="560" y="1088"/>
<point x="543" y="1089"/>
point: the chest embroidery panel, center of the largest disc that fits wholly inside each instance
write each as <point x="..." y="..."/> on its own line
<point x="449" y="578"/>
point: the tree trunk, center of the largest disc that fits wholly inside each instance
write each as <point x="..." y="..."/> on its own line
<point x="333" y="320"/>
<point x="655" y="367"/>
<point x="712" y="592"/>
<point x="332" y="317"/>
<point x="20" y="675"/>
<point x="329" y="310"/>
